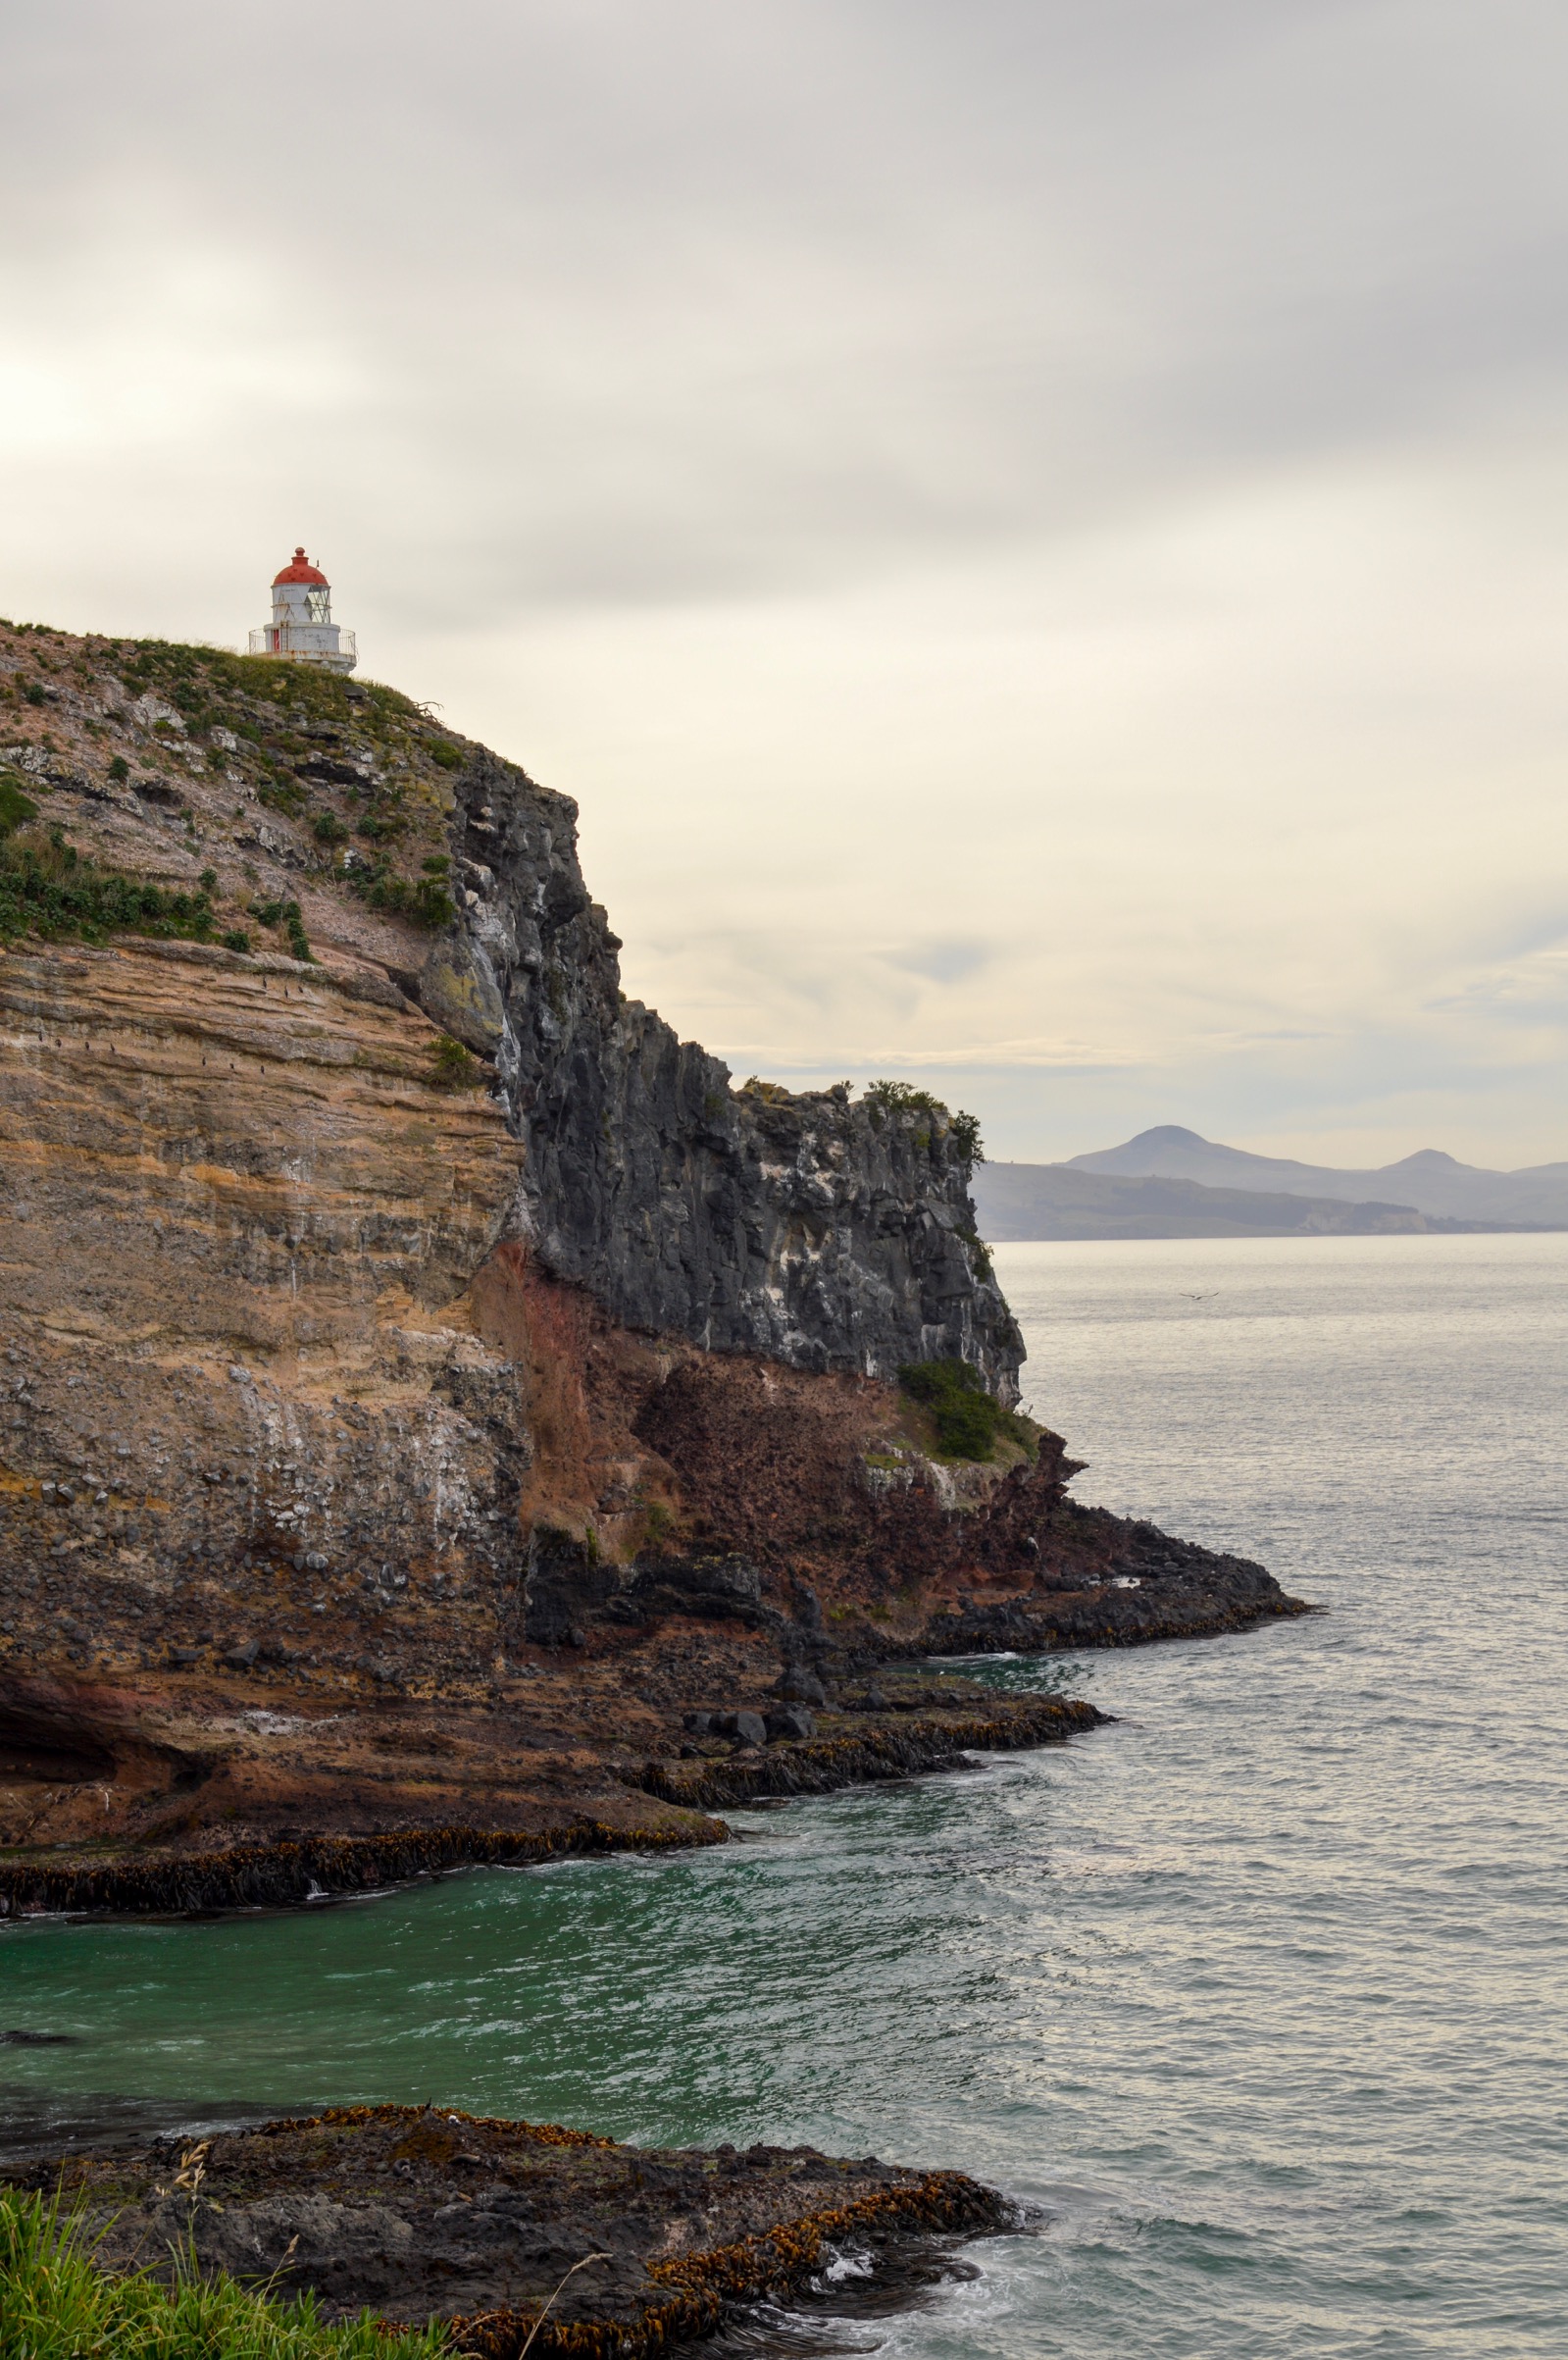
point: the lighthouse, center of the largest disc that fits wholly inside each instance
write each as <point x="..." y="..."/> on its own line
<point x="302" y="627"/>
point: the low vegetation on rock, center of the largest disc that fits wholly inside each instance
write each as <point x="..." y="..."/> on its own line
<point x="453" y="1066"/>
<point x="359" y="767"/>
<point x="49" y="889"/>
<point x="966" y="1417"/>
<point x="57" y="2304"/>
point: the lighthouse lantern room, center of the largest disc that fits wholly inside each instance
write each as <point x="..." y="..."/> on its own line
<point x="302" y="627"/>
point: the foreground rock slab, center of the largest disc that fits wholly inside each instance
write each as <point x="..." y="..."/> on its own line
<point x="420" y="2213"/>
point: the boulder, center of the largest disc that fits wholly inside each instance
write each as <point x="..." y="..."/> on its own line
<point x="747" y="1728"/>
<point x="799" y="1686"/>
<point x="457" y="989"/>
<point x="790" y="1720"/>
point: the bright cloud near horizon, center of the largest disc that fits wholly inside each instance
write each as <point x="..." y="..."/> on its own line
<point x="1037" y="535"/>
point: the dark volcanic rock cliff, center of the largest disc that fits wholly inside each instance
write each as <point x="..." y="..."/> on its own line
<point x="825" y="1234"/>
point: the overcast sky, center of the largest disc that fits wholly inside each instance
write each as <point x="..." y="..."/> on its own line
<point x="1037" y="532"/>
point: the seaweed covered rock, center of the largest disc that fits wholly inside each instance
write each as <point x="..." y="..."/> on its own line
<point x="507" y="2230"/>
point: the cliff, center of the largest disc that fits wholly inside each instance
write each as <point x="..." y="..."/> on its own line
<point x="821" y="1233"/>
<point x="429" y="1382"/>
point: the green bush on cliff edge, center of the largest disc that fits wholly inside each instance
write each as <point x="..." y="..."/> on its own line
<point x="966" y="1417"/>
<point x="896" y="1098"/>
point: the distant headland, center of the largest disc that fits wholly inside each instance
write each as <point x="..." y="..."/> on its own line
<point x="1170" y="1182"/>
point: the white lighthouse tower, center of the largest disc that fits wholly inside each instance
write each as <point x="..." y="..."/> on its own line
<point x="302" y="627"/>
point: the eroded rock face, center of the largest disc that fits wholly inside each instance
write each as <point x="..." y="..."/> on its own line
<point x="243" y="1222"/>
<point x="246" y="1416"/>
<point x="825" y="1234"/>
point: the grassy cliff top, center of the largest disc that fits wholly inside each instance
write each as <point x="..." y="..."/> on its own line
<point x="151" y="786"/>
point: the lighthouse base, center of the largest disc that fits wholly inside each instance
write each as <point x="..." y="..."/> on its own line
<point x="326" y="644"/>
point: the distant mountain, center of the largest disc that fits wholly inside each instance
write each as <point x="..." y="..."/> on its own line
<point x="1433" y="1183"/>
<point x="1019" y="1201"/>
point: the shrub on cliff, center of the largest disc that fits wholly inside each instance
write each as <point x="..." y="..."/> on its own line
<point x="966" y="1417"/>
<point x="15" y="809"/>
<point x="426" y="899"/>
<point x="452" y="1066"/>
<point x="288" y="916"/>
<point x="47" y="889"/>
<point x="902" y="1097"/>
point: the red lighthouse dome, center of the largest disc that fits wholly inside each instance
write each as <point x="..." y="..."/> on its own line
<point x="301" y="571"/>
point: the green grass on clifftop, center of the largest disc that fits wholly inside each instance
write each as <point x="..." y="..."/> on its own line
<point x="363" y="772"/>
<point x="56" y="2304"/>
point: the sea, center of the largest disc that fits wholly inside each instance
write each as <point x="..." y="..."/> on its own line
<point x="1255" y="2001"/>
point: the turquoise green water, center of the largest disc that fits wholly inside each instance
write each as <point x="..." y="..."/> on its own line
<point x="1259" y="1996"/>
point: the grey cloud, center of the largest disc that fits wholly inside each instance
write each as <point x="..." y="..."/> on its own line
<point x="647" y="305"/>
<point x="942" y="962"/>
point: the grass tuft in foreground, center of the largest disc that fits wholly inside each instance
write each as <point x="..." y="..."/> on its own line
<point x="56" y="2304"/>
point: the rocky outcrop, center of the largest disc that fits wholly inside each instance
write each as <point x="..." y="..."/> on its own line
<point x="1146" y="1586"/>
<point x="513" y="2236"/>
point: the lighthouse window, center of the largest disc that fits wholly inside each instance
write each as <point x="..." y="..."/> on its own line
<point x="316" y="606"/>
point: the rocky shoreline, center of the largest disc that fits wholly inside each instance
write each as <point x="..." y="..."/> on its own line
<point x="189" y="1790"/>
<point x="287" y="1873"/>
<point x="505" y="2231"/>
<point x="863" y="1757"/>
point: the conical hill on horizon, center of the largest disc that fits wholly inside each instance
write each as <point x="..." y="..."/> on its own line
<point x="1172" y="1182"/>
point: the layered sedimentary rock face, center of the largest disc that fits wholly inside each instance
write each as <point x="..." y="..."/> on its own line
<point x="243" y="1224"/>
<point x="287" y="1167"/>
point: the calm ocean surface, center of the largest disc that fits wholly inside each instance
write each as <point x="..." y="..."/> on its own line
<point x="1261" y="1996"/>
